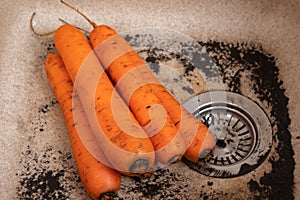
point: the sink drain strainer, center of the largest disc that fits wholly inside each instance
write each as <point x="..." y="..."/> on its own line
<point x="242" y="130"/>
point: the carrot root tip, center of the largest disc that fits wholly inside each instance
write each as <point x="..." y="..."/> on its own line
<point x="206" y="154"/>
<point x="139" y="166"/>
<point x="107" y="195"/>
<point x="175" y="158"/>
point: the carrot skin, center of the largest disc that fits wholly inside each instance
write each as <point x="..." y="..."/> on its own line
<point x="96" y="92"/>
<point x="197" y="137"/>
<point x="97" y="178"/>
<point x="124" y="69"/>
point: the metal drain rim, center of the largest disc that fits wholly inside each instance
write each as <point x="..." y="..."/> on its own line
<point x="258" y="120"/>
<point x="234" y="111"/>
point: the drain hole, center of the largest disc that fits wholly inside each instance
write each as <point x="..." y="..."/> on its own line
<point x="221" y="144"/>
<point x="242" y="131"/>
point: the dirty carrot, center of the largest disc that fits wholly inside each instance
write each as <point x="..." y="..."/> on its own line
<point x="119" y="58"/>
<point x="146" y="107"/>
<point x="122" y="139"/>
<point x="99" y="180"/>
<point x="124" y="69"/>
<point x="109" y="45"/>
<point x="199" y="140"/>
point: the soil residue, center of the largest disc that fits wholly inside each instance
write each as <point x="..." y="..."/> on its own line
<point x="263" y="73"/>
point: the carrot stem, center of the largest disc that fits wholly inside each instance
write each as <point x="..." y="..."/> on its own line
<point x="36" y="33"/>
<point x="79" y="12"/>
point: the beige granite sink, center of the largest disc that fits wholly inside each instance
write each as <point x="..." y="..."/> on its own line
<point x="36" y="159"/>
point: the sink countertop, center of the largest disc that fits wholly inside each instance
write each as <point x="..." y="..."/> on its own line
<point x="275" y="25"/>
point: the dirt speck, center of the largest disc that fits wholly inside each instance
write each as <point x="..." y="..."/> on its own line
<point x="260" y="69"/>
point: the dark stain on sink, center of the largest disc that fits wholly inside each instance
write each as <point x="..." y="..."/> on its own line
<point x="40" y="123"/>
<point x="45" y="172"/>
<point x="163" y="184"/>
<point x="45" y="183"/>
<point x="241" y="62"/>
<point x="278" y="184"/>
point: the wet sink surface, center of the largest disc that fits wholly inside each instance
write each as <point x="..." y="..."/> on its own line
<point x="256" y="55"/>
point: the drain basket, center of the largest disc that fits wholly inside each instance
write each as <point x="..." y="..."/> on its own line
<point x="242" y="131"/>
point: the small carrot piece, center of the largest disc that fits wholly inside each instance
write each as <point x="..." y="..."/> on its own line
<point x="98" y="179"/>
<point x="122" y="139"/>
<point x="125" y="69"/>
<point x="119" y="58"/>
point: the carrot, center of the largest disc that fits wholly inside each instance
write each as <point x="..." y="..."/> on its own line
<point x="199" y="140"/>
<point x="121" y="138"/>
<point x="145" y="105"/>
<point x="119" y="58"/>
<point x="125" y="69"/>
<point x="99" y="180"/>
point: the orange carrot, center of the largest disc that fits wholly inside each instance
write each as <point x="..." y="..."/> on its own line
<point x="146" y="107"/>
<point x="198" y="138"/>
<point x="121" y="138"/>
<point x="119" y="58"/>
<point x="125" y="69"/>
<point x="98" y="179"/>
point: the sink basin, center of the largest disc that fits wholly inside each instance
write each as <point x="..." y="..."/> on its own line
<point x="254" y="51"/>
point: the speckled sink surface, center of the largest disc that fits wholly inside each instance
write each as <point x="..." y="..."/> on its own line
<point x="255" y="44"/>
